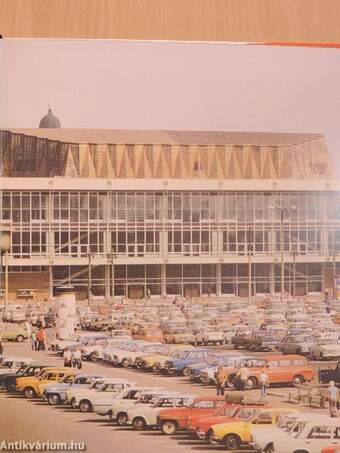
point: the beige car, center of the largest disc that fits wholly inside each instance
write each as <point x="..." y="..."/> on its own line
<point x="179" y="335"/>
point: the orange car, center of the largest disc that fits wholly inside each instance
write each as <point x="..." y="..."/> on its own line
<point x="173" y="419"/>
<point x="281" y="369"/>
<point x="331" y="449"/>
<point x="149" y="334"/>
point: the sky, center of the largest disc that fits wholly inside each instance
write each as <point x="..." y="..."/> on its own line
<point x="171" y="85"/>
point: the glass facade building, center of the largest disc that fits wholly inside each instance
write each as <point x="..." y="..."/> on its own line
<point x="190" y="236"/>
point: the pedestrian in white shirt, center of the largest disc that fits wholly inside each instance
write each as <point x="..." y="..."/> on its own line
<point x="67" y="357"/>
<point x="77" y="358"/>
<point x="243" y="375"/>
<point x="264" y="382"/>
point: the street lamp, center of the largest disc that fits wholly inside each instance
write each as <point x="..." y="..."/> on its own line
<point x="282" y="213"/>
<point x="294" y="251"/>
<point x="5" y="245"/>
<point x="249" y="250"/>
<point x="111" y="257"/>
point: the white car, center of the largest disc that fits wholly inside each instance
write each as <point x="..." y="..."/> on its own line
<point x="311" y="437"/>
<point x="325" y="348"/>
<point x="10" y="365"/>
<point x="108" y="390"/>
<point x="143" y="416"/>
<point x="116" y="409"/>
<point x="75" y="339"/>
<point x="127" y="357"/>
<point x="291" y="424"/>
<point x="210" y="334"/>
<point x="71" y="393"/>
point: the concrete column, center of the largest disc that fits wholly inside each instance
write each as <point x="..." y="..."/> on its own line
<point x="218" y="279"/>
<point x="163" y="280"/>
<point x="107" y="281"/>
<point x="272" y="279"/>
<point x="163" y="240"/>
<point x="50" y="269"/>
<point x="66" y="312"/>
<point x="215" y="242"/>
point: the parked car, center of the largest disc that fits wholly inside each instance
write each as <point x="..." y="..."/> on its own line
<point x="262" y="341"/>
<point x="118" y="407"/>
<point x="311" y="438"/>
<point x="55" y="394"/>
<point x="13" y="333"/>
<point x="209" y="334"/>
<point x="234" y="435"/>
<point x="174" y="419"/>
<point x="85" y="400"/>
<point x="330" y="374"/>
<point x="284" y="370"/>
<point x="241" y="338"/>
<point x="180" y="335"/>
<point x="177" y="365"/>
<point x="11" y="365"/>
<point x="296" y="344"/>
<point x="325" y="349"/>
<point x="149" y="334"/>
<point x="142" y="417"/>
<point x="228" y="413"/>
<point x="28" y="385"/>
<point x="8" y="380"/>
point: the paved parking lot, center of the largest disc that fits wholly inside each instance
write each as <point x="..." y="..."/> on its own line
<point x="36" y="420"/>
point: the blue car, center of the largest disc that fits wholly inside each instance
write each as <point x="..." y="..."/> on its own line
<point x="185" y="358"/>
<point x="55" y="394"/>
<point x="223" y="358"/>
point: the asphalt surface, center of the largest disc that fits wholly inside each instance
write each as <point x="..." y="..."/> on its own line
<point x="21" y="419"/>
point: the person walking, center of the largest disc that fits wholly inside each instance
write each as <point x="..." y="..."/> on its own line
<point x="67" y="356"/>
<point x="1" y="348"/>
<point x="220" y="381"/>
<point x="243" y="375"/>
<point x="76" y="356"/>
<point x="333" y="393"/>
<point x="264" y="382"/>
<point x="41" y="338"/>
<point x="34" y="340"/>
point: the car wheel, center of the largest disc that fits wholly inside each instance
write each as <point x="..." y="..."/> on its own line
<point x="125" y="363"/>
<point x="54" y="400"/>
<point x="94" y="356"/>
<point x="122" y="419"/>
<point x="251" y="383"/>
<point x="19" y="338"/>
<point x="298" y="380"/>
<point x="73" y="403"/>
<point x="269" y="448"/>
<point x="169" y="428"/>
<point x="231" y="442"/>
<point x="29" y="392"/>
<point x="139" y="424"/>
<point x="208" y="437"/>
<point x="85" y="406"/>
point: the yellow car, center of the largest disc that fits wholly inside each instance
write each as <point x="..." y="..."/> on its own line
<point x="30" y="385"/>
<point x="155" y="362"/>
<point x="233" y="435"/>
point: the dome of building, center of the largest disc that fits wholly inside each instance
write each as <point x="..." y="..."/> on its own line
<point x="49" y="121"/>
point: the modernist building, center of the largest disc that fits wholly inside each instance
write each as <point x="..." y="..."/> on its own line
<point x="176" y="212"/>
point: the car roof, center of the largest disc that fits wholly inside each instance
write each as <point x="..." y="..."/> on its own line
<point x="117" y="381"/>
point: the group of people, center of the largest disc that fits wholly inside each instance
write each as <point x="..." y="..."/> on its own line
<point x="38" y="339"/>
<point x="241" y="379"/>
<point x="72" y="358"/>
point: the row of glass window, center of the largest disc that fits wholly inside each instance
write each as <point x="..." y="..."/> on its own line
<point x="176" y="206"/>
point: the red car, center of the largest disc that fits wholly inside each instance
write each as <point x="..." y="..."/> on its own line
<point x="174" y="419"/>
<point x="331" y="449"/>
<point x="227" y="413"/>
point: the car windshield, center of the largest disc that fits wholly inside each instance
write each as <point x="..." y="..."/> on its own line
<point x="227" y="411"/>
<point x="246" y="413"/>
<point x="6" y="364"/>
<point x="96" y="385"/>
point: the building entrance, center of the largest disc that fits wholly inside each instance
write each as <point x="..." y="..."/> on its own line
<point x="192" y="290"/>
<point x="136" y="291"/>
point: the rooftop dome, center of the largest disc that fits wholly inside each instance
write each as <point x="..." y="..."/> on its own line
<point x="49" y="121"/>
